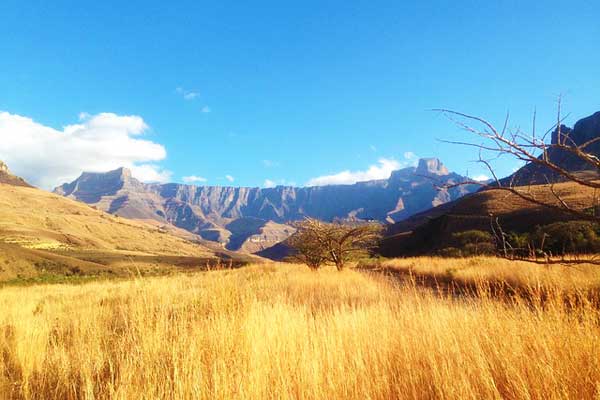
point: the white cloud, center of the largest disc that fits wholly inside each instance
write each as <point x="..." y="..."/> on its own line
<point x="206" y="109"/>
<point x="187" y="94"/>
<point x="270" y="163"/>
<point x="382" y="170"/>
<point x="193" y="179"/>
<point x="150" y="173"/>
<point x="47" y="157"/>
<point x="269" y="183"/>
<point x="411" y="157"/>
<point x="481" y="178"/>
<point x="229" y="178"/>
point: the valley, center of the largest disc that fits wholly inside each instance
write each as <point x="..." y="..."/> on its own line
<point x="212" y="200"/>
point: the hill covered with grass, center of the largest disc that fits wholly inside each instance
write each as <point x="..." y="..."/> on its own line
<point x="45" y="234"/>
<point x="433" y="229"/>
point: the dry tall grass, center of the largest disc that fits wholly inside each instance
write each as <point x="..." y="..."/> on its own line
<point x="281" y="331"/>
<point x="480" y="271"/>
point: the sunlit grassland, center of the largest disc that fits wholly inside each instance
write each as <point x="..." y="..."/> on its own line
<point x="282" y="331"/>
<point x="482" y="271"/>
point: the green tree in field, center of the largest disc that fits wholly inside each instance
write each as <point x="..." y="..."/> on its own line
<point x="317" y="242"/>
<point x="474" y="242"/>
<point x="306" y="248"/>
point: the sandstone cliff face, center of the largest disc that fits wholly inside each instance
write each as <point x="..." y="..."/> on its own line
<point x="252" y="219"/>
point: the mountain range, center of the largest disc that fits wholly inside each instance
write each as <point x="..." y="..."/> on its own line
<point x="175" y="224"/>
<point x="254" y="219"/>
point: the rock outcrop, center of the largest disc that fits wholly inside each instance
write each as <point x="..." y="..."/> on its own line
<point x="4" y="168"/>
<point x="7" y="178"/>
<point x="584" y="131"/>
<point x="431" y="166"/>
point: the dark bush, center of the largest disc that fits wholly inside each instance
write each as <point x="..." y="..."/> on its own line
<point x="474" y="242"/>
<point x="568" y="237"/>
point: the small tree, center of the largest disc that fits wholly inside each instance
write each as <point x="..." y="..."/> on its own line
<point x="306" y="248"/>
<point x="474" y="242"/>
<point x="316" y="241"/>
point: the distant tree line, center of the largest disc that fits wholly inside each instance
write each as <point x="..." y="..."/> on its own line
<point x="556" y="239"/>
<point x="317" y="243"/>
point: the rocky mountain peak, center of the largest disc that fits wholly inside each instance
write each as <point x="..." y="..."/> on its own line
<point x="431" y="166"/>
<point x="8" y="178"/>
<point x="118" y="177"/>
<point x="91" y="186"/>
<point x="121" y="174"/>
<point x="125" y="172"/>
<point x="584" y="130"/>
<point x="587" y="128"/>
<point x="565" y="131"/>
<point x="4" y="168"/>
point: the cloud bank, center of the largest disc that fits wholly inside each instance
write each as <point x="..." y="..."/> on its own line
<point x="382" y="170"/>
<point x="47" y="157"/>
<point x="194" y="179"/>
<point x="481" y="178"/>
<point x="269" y="184"/>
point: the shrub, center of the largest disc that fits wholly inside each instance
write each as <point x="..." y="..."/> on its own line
<point x="316" y="242"/>
<point x="474" y="242"/>
<point x="568" y="237"/>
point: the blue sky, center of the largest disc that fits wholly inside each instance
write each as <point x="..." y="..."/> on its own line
<point x="269" y="92"/>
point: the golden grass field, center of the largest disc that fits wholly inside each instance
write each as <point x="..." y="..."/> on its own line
<point x="280" y="331"/>
<point x="476" y="272"/>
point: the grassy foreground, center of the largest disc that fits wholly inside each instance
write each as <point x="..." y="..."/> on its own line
<point x="496" y="273"/>
<point x="281" y="331"/>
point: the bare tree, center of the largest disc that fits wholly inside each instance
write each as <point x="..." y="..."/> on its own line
<point x="316" y="241"/>
<point x="547" y="161"/>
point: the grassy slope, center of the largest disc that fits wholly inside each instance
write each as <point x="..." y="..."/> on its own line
<point x="473" y="212"/>
<point x="281" y="331"/>
<point x="44" y="233"/>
